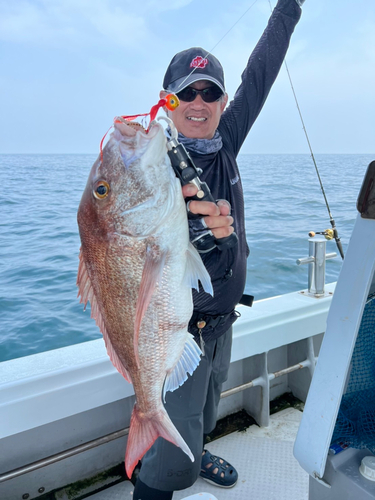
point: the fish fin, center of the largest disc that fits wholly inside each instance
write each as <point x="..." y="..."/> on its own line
<point x="143" y="433"/>
<point x="86" y="291"/>
<point x="196" y="270"/>
<point x="189" y="360"/>
<point x="152" y="271"/>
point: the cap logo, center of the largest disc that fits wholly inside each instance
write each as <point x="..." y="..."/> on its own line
<point x="199" y="62"/>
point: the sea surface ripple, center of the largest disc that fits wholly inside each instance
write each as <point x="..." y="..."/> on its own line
<point x="40" y="243"/>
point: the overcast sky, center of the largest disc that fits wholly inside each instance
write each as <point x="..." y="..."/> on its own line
<point x="67" y="67"/>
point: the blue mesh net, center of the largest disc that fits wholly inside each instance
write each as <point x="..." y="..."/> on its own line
<point x="355" y="425"/>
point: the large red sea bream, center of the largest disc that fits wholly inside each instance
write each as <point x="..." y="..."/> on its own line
<point x="137" y="268"/>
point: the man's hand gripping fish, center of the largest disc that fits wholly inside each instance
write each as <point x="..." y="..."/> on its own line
<point x="137" y="268"/>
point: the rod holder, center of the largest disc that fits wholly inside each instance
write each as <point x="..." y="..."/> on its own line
<point x="317" y="265"/>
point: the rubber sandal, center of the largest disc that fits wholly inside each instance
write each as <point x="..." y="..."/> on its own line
<point x="217" y="471"/>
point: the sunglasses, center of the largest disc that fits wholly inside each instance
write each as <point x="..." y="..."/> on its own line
<point x="210" y="94"/>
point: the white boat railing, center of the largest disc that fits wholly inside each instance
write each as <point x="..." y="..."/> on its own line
<point x="277" y="336"/>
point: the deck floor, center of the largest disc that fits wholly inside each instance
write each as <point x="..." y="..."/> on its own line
<point x="264" y="460"/>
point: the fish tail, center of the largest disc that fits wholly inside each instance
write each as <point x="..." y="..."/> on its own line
<point x="143" y="433"/>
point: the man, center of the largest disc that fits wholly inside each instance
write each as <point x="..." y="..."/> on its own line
<point x="213" y="137"/>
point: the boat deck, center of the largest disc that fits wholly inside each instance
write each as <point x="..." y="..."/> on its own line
<point x="263" y="457"/>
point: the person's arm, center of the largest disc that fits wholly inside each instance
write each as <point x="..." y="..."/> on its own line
<point x="216" y="216"/>
<point x="260" y="73"/>
<point x="248" y="102"/>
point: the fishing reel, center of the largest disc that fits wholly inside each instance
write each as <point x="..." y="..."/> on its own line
<point x="204" y="240"/>
<point x="328" y="234"/>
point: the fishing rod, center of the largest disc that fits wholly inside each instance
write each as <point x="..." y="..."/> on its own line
<point x="329" y="233"/>
<point x="331" y="220"/>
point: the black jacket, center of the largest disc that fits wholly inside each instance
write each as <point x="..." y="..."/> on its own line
<point x="228" y="268"/>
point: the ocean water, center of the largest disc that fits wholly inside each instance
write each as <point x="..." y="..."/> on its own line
<point x="40" y="243"/>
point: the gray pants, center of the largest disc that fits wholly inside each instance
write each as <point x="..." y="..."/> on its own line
<point x="193" y="410"/>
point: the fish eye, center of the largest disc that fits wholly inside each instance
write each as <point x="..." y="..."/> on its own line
<point x="101" y="190"/>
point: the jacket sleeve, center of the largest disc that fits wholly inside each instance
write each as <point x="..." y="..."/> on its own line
<point x="259" y="75"/>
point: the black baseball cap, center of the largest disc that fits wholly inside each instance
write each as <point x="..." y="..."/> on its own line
<point x="180" y="72"/>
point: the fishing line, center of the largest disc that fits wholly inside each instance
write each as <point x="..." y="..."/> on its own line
<point x="335" y="233"/>
<point x="217" y="43"/>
